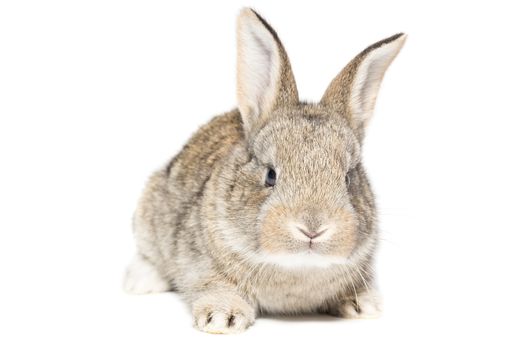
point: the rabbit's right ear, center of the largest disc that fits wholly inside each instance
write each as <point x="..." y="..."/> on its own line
<point x="265" y="80"/>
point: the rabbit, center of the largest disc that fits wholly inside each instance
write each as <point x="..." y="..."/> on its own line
<point x="267" y="209"/>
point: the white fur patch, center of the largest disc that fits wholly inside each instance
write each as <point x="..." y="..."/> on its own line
<point x="143" y="278"/>
<point x="300" y="260"/>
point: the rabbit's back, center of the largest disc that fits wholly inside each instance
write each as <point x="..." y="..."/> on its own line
<point x="167" y="221"/>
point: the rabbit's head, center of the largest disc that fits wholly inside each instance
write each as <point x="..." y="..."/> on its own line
<point x="297" y="193"/>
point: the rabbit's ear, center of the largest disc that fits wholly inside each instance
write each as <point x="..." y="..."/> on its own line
<point x="354" y="90"/>
<point x="264" y="77"/>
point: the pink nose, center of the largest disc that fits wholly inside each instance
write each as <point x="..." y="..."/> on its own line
<point x="311" y="234"/>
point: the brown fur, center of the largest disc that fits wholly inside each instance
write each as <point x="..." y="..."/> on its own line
<point x="205" y="220"/>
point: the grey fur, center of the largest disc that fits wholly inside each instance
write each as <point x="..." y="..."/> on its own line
<point x="204" y="219"/>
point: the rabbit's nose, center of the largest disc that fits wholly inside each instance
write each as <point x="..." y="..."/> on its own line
<point x="311" y="234"/>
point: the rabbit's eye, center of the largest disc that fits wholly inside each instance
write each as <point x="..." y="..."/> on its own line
<point x="271" y="178"/>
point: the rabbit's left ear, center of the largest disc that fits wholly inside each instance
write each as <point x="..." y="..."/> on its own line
<point x="354" y="90"/>
<point x="265" y="80"/>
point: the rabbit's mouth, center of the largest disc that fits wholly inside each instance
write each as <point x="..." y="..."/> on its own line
<point x="307" y="249"/>
<point x="305" y="237"/>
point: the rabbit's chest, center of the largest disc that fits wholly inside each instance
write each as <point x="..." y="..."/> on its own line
<point x="292" y="293"/>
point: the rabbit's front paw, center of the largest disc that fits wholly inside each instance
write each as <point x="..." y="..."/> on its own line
<point x="367" y="305"/>
<point x="222" y="314"/>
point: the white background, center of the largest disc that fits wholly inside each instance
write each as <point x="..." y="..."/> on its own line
<point x="95" y="95"/>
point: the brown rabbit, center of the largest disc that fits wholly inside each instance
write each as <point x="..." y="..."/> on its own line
<point x="267" y="209"/>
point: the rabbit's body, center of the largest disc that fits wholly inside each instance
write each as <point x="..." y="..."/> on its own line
<point x="169" y="223"/>
<point x="267" y="208"/>
<point x="176" y="218"/>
